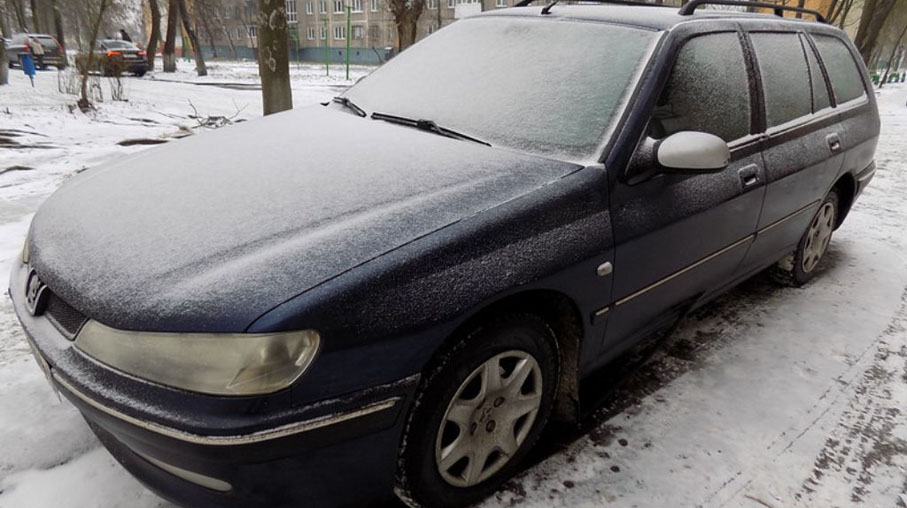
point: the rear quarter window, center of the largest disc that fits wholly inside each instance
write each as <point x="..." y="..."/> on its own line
<point x="846" y="81"/>
<point x="785" y="76"/>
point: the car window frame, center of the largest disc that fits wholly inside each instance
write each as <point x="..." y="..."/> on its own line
<point x="837" y="105"/>
<point x="741" y="140"/>
<point x="801" y="121"/>
<point x="794" y="121"/>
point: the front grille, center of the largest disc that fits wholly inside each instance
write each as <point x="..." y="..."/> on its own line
<point x="67" y="319"/>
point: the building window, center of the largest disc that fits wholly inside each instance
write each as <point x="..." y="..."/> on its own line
<point x="308" y="8"/>
<point x="292" y="15"/>
<point x="339" y="32"/>
<point x="356" y="32"/>
<point x="374" y="5"/>
<point x="501" y="3"/>
<point x="338" y="6"/>
<point x="324" y="32"/>
<point x="432" y="4"/>
<point x="451" y="4"/>
<point x="357" y="5"/>
<point x="310" y="33"/>
<point x="253" y="32"/>
<point x="431" y="29"/>
<point x="228" y="13"/>
<point x="323" y="6"/>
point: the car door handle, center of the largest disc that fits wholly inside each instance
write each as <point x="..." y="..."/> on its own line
<point x="749" y="176"/>
<point x="834" y="142"/>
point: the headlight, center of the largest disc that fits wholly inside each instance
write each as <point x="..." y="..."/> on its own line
<point x="220" y="364"/>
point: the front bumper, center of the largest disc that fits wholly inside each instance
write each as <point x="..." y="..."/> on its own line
<point x="253" y="451"/>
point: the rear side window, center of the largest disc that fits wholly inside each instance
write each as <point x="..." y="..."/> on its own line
<point x="785" y="76"/>
<point x="708" y="90"/>
<point x="820" y="89"/>
<point x="845" y="77"/>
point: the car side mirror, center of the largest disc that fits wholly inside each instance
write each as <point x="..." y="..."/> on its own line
<point x="692" y="152"/>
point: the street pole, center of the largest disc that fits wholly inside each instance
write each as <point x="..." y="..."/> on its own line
<point x="327" y="52"/>
<point x="349" y="35"/>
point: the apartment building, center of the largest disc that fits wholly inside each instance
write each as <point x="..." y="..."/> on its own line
<point x="318" y="28"/>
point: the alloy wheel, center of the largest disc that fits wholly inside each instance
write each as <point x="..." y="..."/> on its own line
<point x="818" y="236"/>
<point x="488" y="418"/>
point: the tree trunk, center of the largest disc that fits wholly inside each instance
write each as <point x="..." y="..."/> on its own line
<point x="406" y="29"/>
<point x="273" y="56"/>
<point x="4" y="63"/>
<point x="84" y="103"/>
<point x="193" y="38"/>
<point x="4" y="21"/>
<point x="800" y="4"/>
<point x="844" y="13"/>
<point x="875" y="12"/>
<point x="232" y="44"/>
<point x="207" y="27"/>
<point x="35" y="16"/>
<point x="894" y="51"/>
<point x="173" y="16"/>
<point x="19" y="11"/>
<point x="58" y="28"/>
<point x="831" y="10"/>
<point x="155" y="37"/>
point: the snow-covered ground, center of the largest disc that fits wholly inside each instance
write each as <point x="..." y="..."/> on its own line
<point x="768" y="397"/>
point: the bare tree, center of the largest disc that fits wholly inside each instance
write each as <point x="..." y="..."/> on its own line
<point x="58" y="28"/>
<point x="35" y="15"/>
<point x="274" y="56"/>
<point x="193" y="38"/>
<point x="155" y="38"/>
<point x="19" y="11"/>
<point x="875" y="12"/>
<point x="170" y="42"/>
<point x="4" y="20"/>
<point x="84" y="103"/>
<point x="406" y="16"/>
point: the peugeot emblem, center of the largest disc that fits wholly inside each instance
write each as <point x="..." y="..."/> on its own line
<point x="36" y="294"/>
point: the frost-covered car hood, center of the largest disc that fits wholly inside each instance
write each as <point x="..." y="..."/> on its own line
<point x="210" y="232"/>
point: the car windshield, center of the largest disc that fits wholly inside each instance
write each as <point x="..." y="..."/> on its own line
<point x="546" y="87"/>
<point x="114" y="44"/>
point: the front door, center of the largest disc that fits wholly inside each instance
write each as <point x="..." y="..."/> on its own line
<point x="680" y="236"/>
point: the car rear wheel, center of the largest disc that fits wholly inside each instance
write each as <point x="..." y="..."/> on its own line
<point x="800" y="267"/>
<point x="478" y="412"/>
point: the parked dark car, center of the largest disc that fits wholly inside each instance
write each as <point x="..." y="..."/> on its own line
<point x="397" y="291"/>
<point x="53" y="51"/>
<point x="117" y="57"/>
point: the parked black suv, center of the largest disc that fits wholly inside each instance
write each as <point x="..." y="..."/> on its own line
<point x="397" y="291"/>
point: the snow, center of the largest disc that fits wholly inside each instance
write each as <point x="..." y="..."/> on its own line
<point x="766" y="397"/>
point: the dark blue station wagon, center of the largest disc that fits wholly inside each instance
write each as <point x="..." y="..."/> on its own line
<point x="395" y="293"/>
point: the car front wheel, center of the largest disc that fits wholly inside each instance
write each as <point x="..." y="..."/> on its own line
<point x="478" y="412"/>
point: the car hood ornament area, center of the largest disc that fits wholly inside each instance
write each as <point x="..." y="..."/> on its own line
<point x="36" y="294"/>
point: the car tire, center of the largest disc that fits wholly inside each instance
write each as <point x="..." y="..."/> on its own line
<point x="800" y="267"/>
<point x="518" y="354"/>
<point x="140" y="74"/>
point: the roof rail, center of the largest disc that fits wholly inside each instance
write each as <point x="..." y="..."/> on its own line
<point x="524" y="3"/>
<point x="690" y="8"/>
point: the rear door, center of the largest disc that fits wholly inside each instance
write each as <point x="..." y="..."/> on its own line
<point x="681" y="236"/>
<point x="858" y="115"/>
<point x="803" y="149"/>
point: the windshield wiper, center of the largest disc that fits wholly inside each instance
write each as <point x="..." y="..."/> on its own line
<point x="345" y="102"/>
<point x="427" y="125"/>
